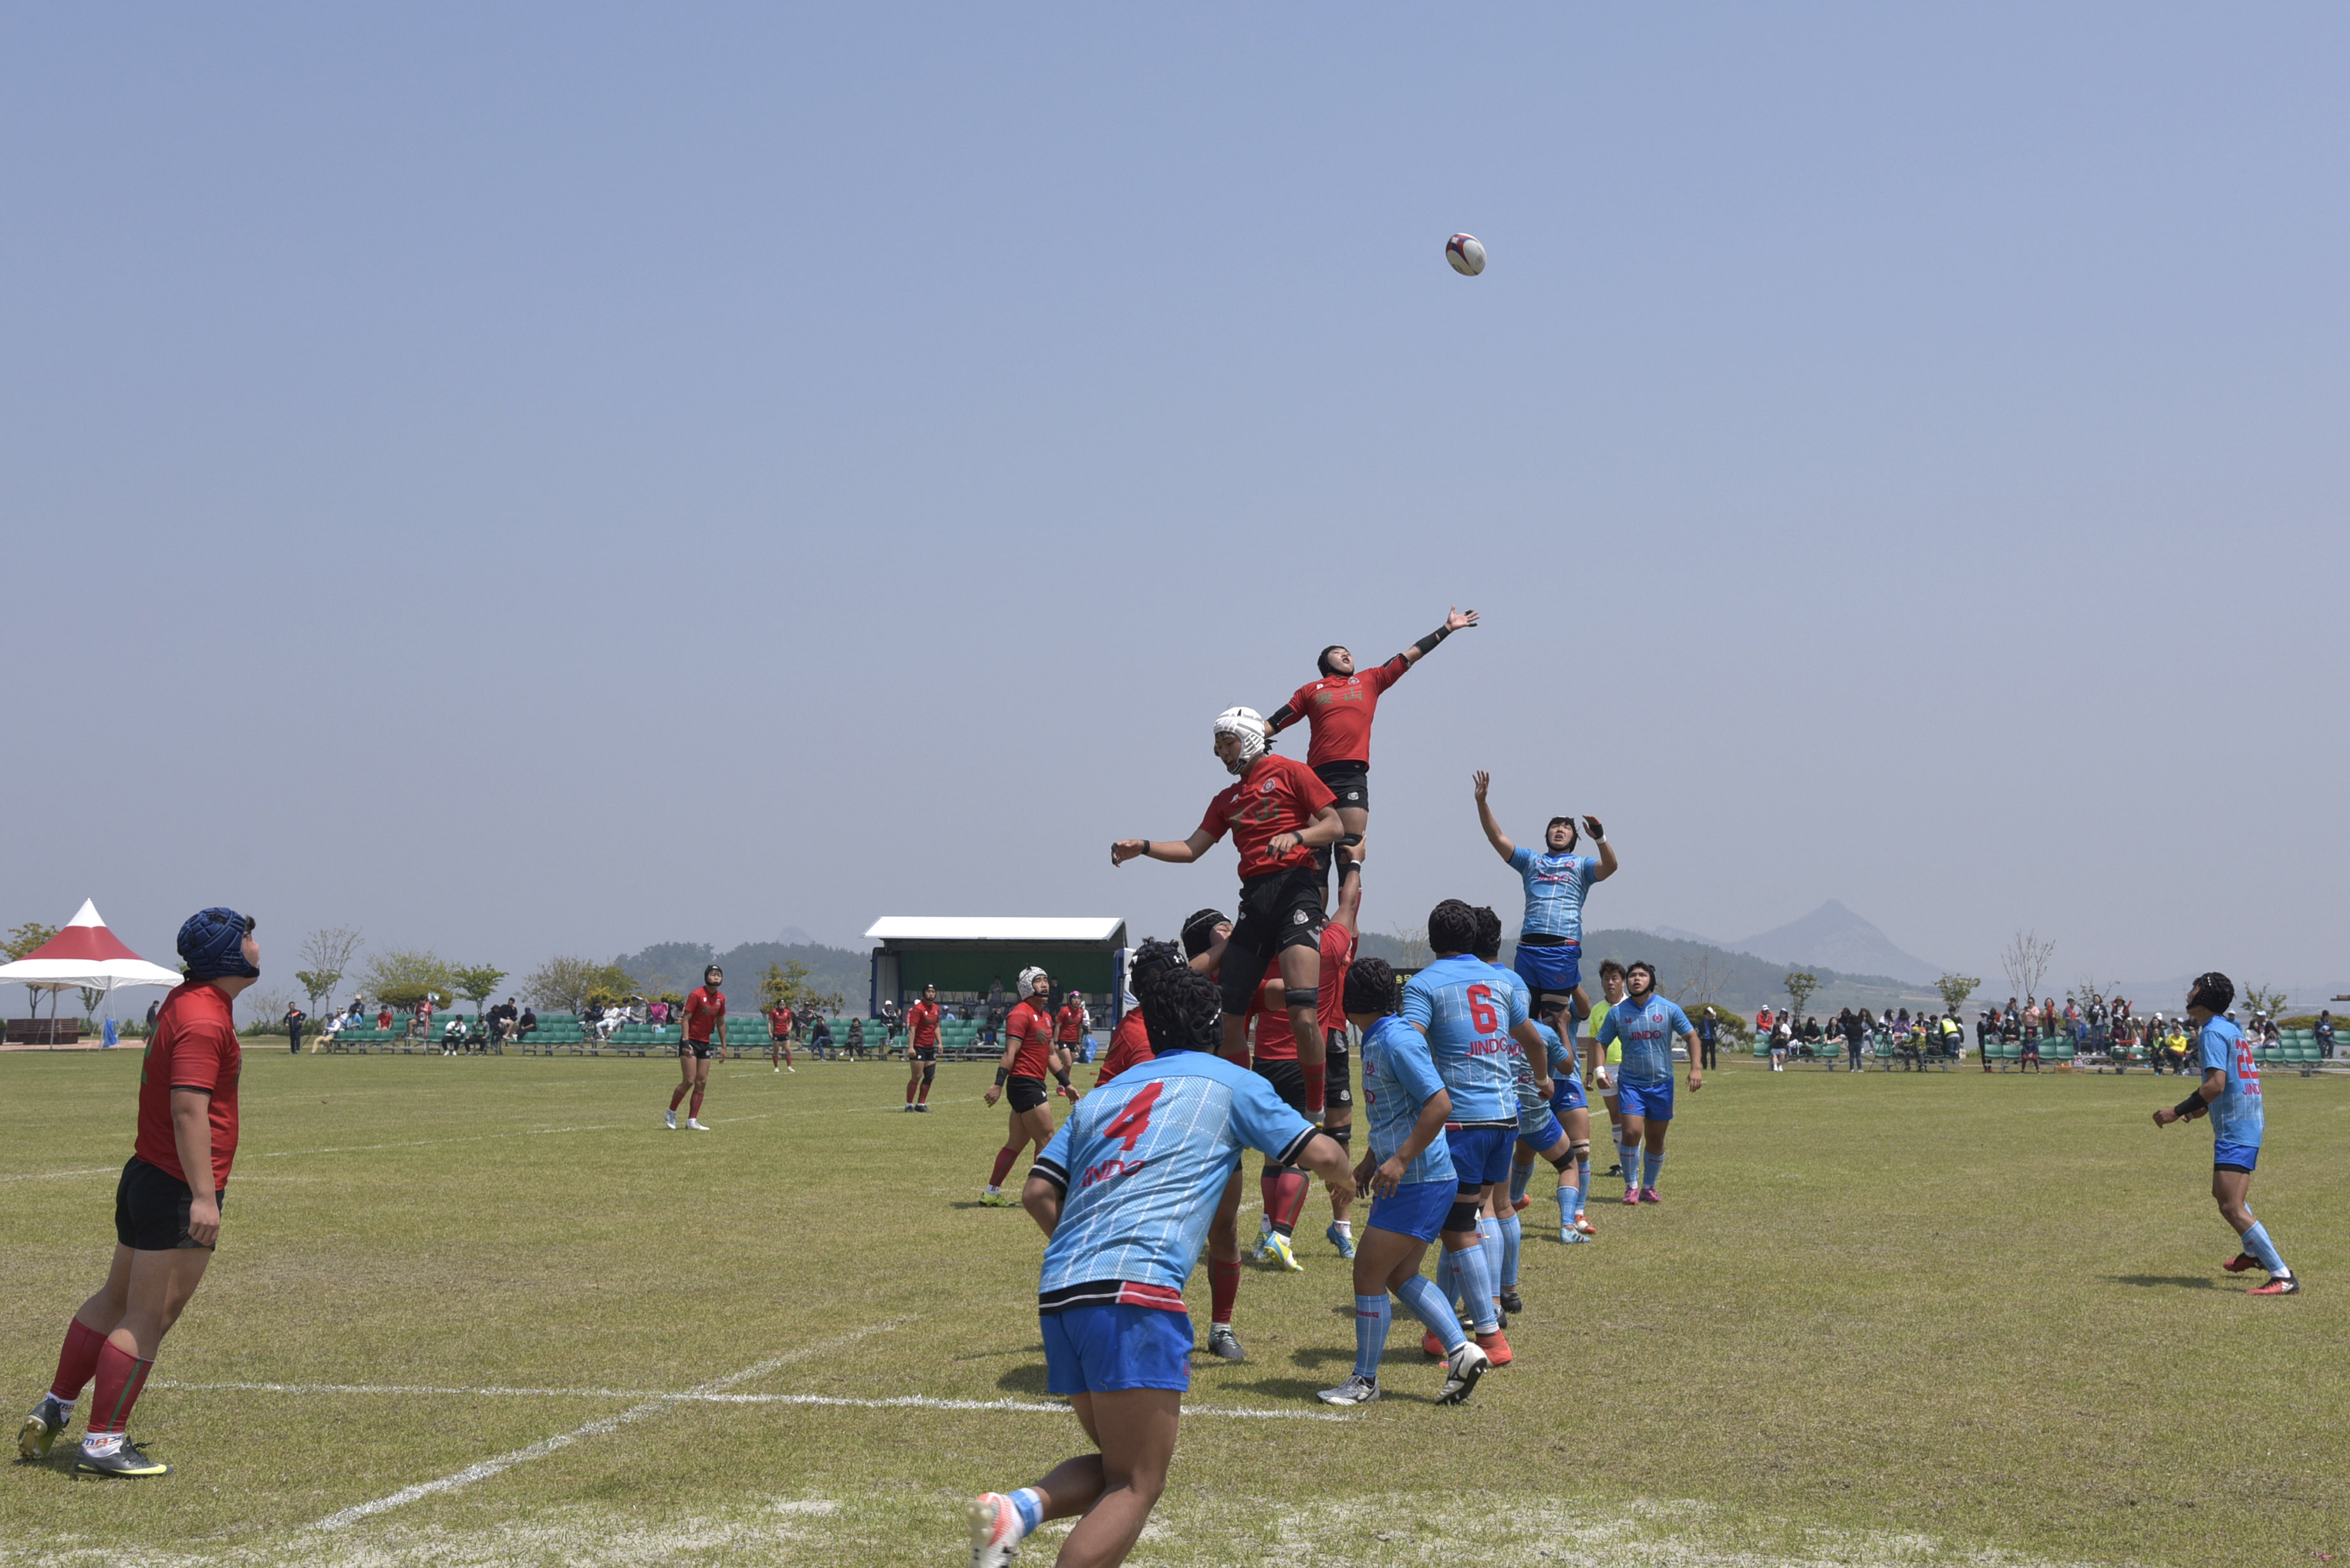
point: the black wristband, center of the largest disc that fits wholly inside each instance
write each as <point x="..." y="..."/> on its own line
<point x="1001" y="1074"/>
<point x="1062" y="1073"/>
<point x="1427" y="645"/>
<point x="2191" y="1105"/>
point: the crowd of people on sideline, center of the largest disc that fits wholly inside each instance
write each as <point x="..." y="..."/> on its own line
<point x="2107" y="1028"/>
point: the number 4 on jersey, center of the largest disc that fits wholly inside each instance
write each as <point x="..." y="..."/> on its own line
<point x="1130" y="1124"/>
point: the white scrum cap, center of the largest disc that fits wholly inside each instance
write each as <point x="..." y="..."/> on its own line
<point x="1249" y="725"/>
<point x="1028" y="979"/>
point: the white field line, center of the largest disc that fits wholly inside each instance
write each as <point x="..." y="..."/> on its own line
<point x="712" y="1395"/>
<point x="660" y="1405"/>
<point x="60" y="1175"/>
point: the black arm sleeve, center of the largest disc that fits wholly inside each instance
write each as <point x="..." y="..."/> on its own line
<point x="1282" y="717"/>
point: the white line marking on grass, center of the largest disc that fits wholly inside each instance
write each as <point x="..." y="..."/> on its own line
<point x="659" y="1406"/>
<point x="421" y="1142"/>
<point x="60" y="1175"/>
<point x="708" y="1395"/>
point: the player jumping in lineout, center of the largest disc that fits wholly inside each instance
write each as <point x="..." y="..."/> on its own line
<point x="2230" y="1095"/>
<point x="1339" y="707"/>
<point x="1550" y="935"/>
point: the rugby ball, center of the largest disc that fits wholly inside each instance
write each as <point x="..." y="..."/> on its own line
<point x="1467" y="256"/>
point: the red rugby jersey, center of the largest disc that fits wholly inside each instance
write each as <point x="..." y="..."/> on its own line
<point x="1279" y="795"/>
<point x="1069" y="1023"/>
<point x="703" y="1009"/>
<point x="1033" y="1027"/>
<point x="922" y="1022"/>
<point x="1338" y="957"/>
<point x="1130" y="1045"/>
<point x="1340" y="708"/>
<point x="193" y="1046"/>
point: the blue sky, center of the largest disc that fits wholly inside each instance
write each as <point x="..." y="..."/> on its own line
<point x="554" y="479"/>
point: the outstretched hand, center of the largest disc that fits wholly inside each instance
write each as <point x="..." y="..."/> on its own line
<point x="1126" y="850"/>
<point x="1457" y="620"/>
<point x="1484" y="781"/>
<point x="1591" y="825"/>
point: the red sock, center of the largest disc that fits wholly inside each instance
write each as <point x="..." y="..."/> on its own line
<point x="694" y="1112"/>
<point x="1223" y="1289"/>
<point x="1268" y="1187"/>
<point x="909" y="1094"/>
<point x="77" y="1361"/>
<point x="121" y="1376"/>
<point x="925" y="1097"/>
<point x="674" y="1100"/>
<point x="1293" y="1188"/>
<point x="1318" y="1080"/>
<point x="1003" y="1159"/>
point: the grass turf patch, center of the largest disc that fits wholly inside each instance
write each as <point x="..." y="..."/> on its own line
<point x="1886" y="1318"/>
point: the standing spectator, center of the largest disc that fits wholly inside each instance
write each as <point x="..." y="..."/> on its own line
<point x="1855" y="1030"/>
<point x="153" y="1009"/>
<point x="294" y="1019"/>
<point x="1708" y="1028"/>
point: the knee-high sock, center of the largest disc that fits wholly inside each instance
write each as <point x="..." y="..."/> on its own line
<point x="1448" y="1282"/>
<point x="1318" y="1083"/>
<point x="1421" y="1300"/>
<point x="1223" y="1289"/>
<point x="1629" y="1156"/>
<point x="1582" y="1182"/>
<point x="1268" y="1191"/>
<point x="1370" y="1334"/>
<point x="2263" y="1250"/>
<point x="910" y="1084"/>
<point x="1290" y="1190"/>
<point x="923" y="1098"/>
<point x="693" y="1111"/>
<point x="1476" y="1287"/>
<point x="1003" y="1159"/>
<point x="1520" y="1177"/>
<point x="1655" y="1168"/>
<point x="677" y="1098"/>
<point x="1512" y="1234"/>
<point x="1569" y="1206"/>
<point x="77" y="1361"/>
<point x="121" y="1376"/>
<point x="1488" y="1237"/>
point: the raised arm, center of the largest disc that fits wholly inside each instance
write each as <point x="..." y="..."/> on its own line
<point x="1181" y="851"/>
<point x="1351" y="897"/>
<point x="1454" y="620"/>
<point x="1493" y="834"/>
<point x="1606" y="850"/>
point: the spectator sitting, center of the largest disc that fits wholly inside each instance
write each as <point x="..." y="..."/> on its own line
<point x="820" y="1038"/>
<point x="2323" y="1034"/>
<point x="657" y="1012"/>
<point x="526" y="1022"/>
<point x="856" y="1039"/>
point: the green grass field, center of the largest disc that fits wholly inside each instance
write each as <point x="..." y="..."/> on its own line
<point x="1892" y="1318"/>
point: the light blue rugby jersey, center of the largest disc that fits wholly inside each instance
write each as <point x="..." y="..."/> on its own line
<point x="2237" y="1116"/>
<point x="1555" y="888"/>
<point x="1647" y="1034"/>
<point x="1449" y="1001"/>
<point x="1399" y="1076"/>
<point x="1140" y="1164"/>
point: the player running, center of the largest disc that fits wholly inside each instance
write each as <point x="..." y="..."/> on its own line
<point x="2230" y="1095"/>
<point x="921" y="1049"/>
<point x="1122" y="1192"/>
<point x="1469" y="1016"/>
<point x="1276" y="1059"/>
<point x="167" y="1206"/>
<point x="1409" y="1173"/>
<point x="1027" y="1057"/>
<point x="1550" y="936"/>
<point x="705" y="1010"/>
<point x="1278" y="814"/>
<point x="1339" y="708"/>
<point x="1647" y="1025"/>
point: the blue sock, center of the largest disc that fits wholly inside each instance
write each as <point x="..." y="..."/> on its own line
<point x="1031" y="1504"/>
<point x="1582" y="1183"/>
<point x="1520" y="1177"/>
<point x="2263" y="1250"/>
<point x="1419" y="1299"/>
<point x="1512" y="1234"/>
<point x="1370" y="1334"/>
<point x="1627" y="1155"/>
<point x="1476" y="1287"/>
<point x="1488" y="1237"/>
<point x="1448" y="1285"/>
<point x="1569" y="1204"/>
<point x="1655" y="1168"/>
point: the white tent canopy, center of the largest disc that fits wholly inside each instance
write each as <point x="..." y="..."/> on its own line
<point x="85" y="956"/>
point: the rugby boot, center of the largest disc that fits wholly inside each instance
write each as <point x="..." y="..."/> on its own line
<point x="43" y="1428"/>
<point x="1461" y="1371"/>
<point x="123" y="1460"/>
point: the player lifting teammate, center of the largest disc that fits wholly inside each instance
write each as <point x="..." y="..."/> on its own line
<point x="1278" y="814"/>
<point x="1647" y="1024"/>
<point x="706" y="1009"/>
<point x="1338" y="709"/>
<point x="1027" y="1057"/>
<point x="921" y="1049"/>
<point x="2231" y="1093"/>
<point x="1122" y="1194"/>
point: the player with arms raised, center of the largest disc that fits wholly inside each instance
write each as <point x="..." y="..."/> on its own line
<point x="1124" y="1193"/>
<point x="1646" y="1025"/>
<point x="1550" y="936"/>
<point x="1278" y="814"/>
<point x="2231" y="1093"/>
<point x="1339" y="708"/>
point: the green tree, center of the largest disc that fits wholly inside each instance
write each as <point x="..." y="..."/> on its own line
<point x="2269" y="1000"/>
<point x="25" y="938"/>
<point x="475" y="982"/>
<point x="326" y="956"/>
<point x="569" y="984"/>
<point x="1955" y="990"/>
<point x="403" y="977"/>
<point x="1800" y="984"/>
<point x="787" y="983"/>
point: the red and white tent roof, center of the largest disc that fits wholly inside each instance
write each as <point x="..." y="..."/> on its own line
<point x="85" y="956"/>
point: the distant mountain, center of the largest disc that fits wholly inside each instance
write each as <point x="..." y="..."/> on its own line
<point x="678" y="966"/>
<point x="1674" y="933"/>
<point x="1834" y="937"/>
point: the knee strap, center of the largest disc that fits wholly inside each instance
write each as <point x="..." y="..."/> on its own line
<point x="930" y="1071"/>
<point x="1343" y="1134"/>
<point x="1463" y="1217"/>
<point x="1350" y="839"/>
<point x="1306" y="996"/>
